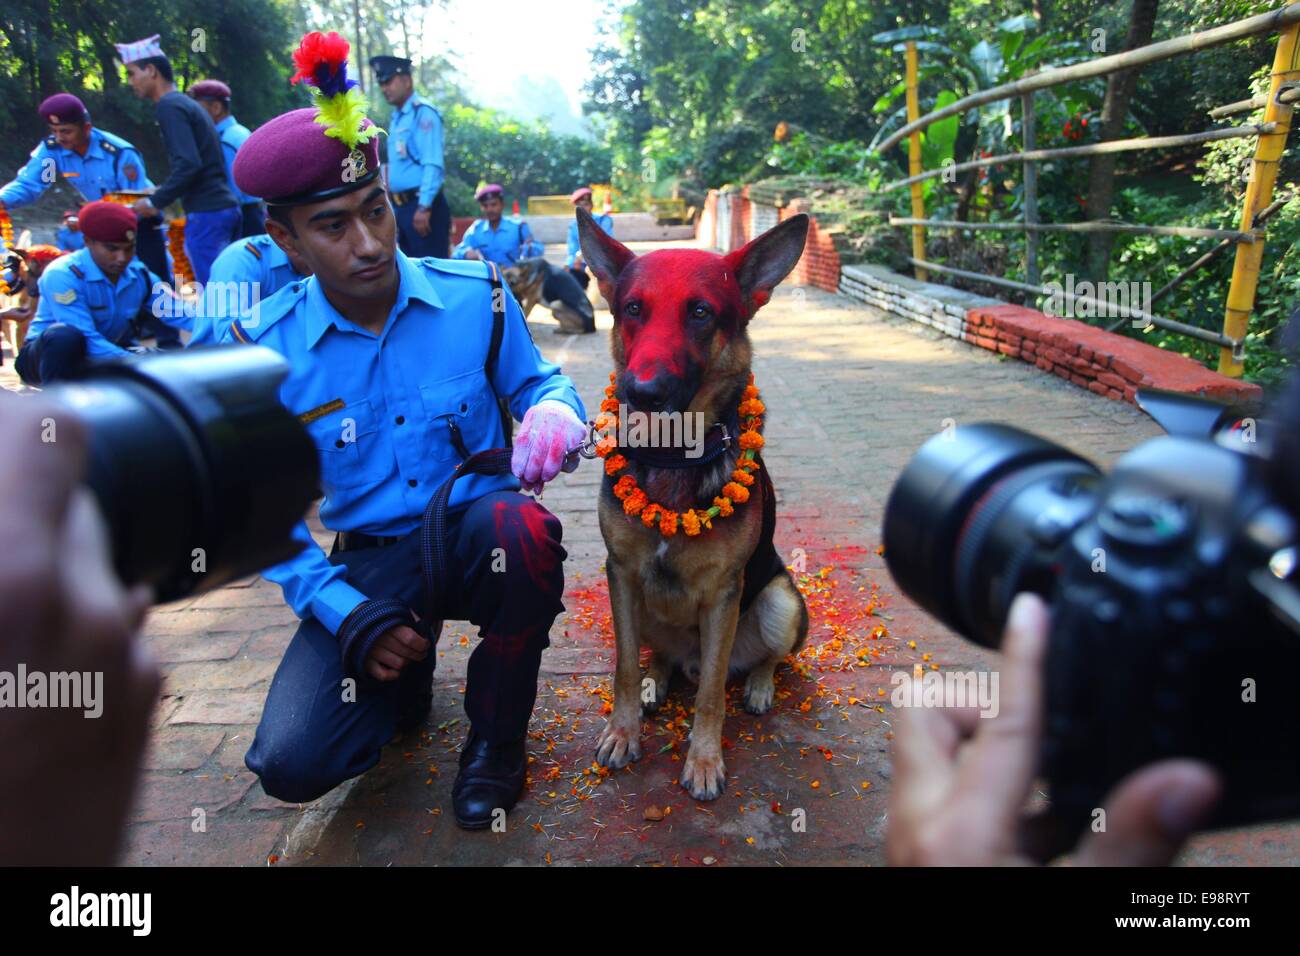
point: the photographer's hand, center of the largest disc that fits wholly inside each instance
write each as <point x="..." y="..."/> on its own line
<point x="961" y="781"/>
<point x="69" y="772"/>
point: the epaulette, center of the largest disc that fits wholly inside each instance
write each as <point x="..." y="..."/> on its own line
<point x="253" y="249"/>
<point x="471" y="268"/>
<point x="75" y="271"/>
<point x="270" y="311"/>
<point x="52" y="141"/>
<point x="107" y="146"/>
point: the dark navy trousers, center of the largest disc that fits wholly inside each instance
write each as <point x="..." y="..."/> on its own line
<point x="505" y="563"/>
<point x="57" y="353"/>
<point x="438" y="242"/>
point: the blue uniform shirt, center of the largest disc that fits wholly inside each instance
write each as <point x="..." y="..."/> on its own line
<point x="232" y="137"/>
<point x="75" y="292"/>
<point x="110" y="164"/>
<point x="604" y="220"/>
<point x="510" y="241"/>
<point x="246" y="274"/>
<point x="379" y="407"/>
<point x="415" y="150"/>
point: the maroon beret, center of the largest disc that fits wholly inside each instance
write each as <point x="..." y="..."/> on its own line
<point x="491" y="189"/>
<point x="582" y="192"/>
<point x="62" y="108"/>
<point x="209" y="90"/>
<point x="107" y="221"/>
<point x="289" y="161"/>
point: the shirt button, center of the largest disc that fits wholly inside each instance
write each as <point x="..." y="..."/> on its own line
<point x="412" y="482"/>
<point x="338" y="443"/>
<point x="400" y="419"/>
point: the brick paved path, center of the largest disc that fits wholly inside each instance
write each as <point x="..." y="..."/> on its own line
<point x="851" y="395"/>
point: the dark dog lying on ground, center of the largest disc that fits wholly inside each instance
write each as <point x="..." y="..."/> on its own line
<point x="709" y="601"/>
<point x="535" y="280"/>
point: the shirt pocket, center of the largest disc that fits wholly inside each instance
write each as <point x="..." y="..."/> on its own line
<point x="462" y="416"/>
<point x="352" y="450"/>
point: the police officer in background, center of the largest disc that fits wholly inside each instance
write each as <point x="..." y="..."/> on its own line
<point x="214" y="96"/>
<point x="394" y="374"/>
<point x="495" y="238"/>
<point x="92" y="301"/>
<point x="246" y="274"/>
<point x="94" y="162"/>
<point x="415" y="167"/>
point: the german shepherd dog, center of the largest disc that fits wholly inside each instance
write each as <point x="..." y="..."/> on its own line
<point x="717" y="604"/>
<point x="526" y="278"/>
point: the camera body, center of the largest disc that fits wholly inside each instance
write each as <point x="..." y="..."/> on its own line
<point x="1175" y="630"/>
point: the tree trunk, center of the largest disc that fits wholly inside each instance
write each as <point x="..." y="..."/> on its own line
<point x="1101" y="170"/>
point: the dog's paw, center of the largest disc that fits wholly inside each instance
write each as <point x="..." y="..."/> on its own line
<point x="703" y="776"/>
<point x="618" y="744"/>
<point x="654" y="687"/>
<point x="760" y="691"/>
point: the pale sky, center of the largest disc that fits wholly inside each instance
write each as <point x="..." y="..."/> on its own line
<point x="496" y="42"/>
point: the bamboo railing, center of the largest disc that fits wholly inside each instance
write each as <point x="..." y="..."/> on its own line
<point x="1270" y="135"/>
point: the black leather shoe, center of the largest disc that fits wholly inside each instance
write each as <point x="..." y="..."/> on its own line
<point x="491" y="777"/>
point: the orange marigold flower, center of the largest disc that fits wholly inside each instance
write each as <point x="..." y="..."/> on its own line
<point x="635" y="502"/>
<point x="609" y="405"/>
<point x="606" y="445"/>
<point x="690" y="523"/>
<point x="750" y="392"/>
<point x="750" y="440"/>
<point x="604" y="421"/>
<point x="752" y="407"/>
<point x="724" y="507"/>
<point x="648" y="515"/>
<point x="616" y="463"/>
<point x="742" y="476"/>
<point x="737" y="493"/>
<point x="624" y="486"/>
<point x="667" y="523"/>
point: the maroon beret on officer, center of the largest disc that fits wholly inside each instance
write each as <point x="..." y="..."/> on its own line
<point x="107" y="222"/>
<point x="289" y="161"/>
<point x="209" y="90"/>
<point x="491" y="189"/>
<point x="63" y="108"/>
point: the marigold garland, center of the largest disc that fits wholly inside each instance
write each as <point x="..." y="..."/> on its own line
<point x="695" y="520"/>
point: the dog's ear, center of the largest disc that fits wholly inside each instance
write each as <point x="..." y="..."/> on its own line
<point x="762" y="263"/>
<point x="605" y="256"/>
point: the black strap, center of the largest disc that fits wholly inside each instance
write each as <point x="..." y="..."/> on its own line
<point x="433" y="525"/>
<point x="716" y="442"/>
<point x="494" y="350"/>
<point x="764" y="564"/>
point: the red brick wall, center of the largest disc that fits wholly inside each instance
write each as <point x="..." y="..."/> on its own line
<point x="1102" y="362"/>
<point x="820" y="264"/>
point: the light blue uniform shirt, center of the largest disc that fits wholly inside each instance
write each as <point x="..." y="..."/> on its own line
<point x="75" y="292"/>
<point x="415" y="150"/>
<point x="246" y="274"/>
<point x="110" y="164"/>
<point x="604" y="220"/>
<point x="379" y="407"/>
<point x="510" y="241"/>
<point x="232" y="136"/>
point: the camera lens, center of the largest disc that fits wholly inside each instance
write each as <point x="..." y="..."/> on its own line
<point x="200" y="472"/>
<point x="975" y="518"/>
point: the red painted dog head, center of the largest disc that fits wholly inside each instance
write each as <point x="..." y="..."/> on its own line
<point x="680" y="315"/>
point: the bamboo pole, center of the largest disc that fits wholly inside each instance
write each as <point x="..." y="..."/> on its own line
<point x="914" y="159"/>
<point x="1289" y="95"/>
<point x="1092" y="225"/>
<point x="1129" y="313"/>
<point x="1259" y="193"/>
<point x="1030" y="194"/>
<point x="1092" y="149"/>
<point x="1269" y="22"/>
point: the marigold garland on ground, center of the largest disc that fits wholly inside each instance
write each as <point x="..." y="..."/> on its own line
<point x="694" y="520"/>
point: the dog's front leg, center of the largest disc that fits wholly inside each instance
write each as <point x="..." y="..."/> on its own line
<point x="704" y="772"/>
<point x="620" y="742"/>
